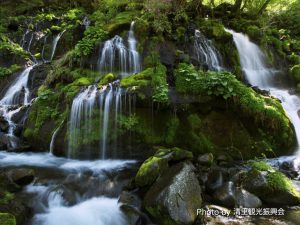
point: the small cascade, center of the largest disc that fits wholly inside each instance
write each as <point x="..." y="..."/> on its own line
<point x="18" y="92"/>
<point x="205" y="52"/>
<point x="54" y="44"/>
<point x="52" y="142"/>
<point x="119" y="56"/>
<point x="258" y="74"/>
<point x="86" y="22"/>
<point x="80" y="125"/>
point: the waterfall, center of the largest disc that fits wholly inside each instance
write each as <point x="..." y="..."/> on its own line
<point x="18" y="90"/>
<point x="117" y="56"/>
<point x="52" y="142"/>
<point x="258" y="74"/>
<point x="205" y="52"/>
<point x="54" y="44"/>
<point x="81" y="114"/>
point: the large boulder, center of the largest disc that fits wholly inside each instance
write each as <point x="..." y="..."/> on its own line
<point x="4" y="125"/>
<point x="176" y="195"/>
<point x="272" y="187"/>
<point x="21" y="176"/>
<point x="153" y="166"/>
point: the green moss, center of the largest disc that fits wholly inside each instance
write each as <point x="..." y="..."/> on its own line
<point x="278" y="181"/>
<point x="152" y="77"/>
<point x="6" y="197"/>
<point x="266" y="112"/>
<point x="4" y="71"/>
<point x="172" y="126"/>
<point x="261" y="166"/>
<point x="83" y="81"/>
<point x="150" y="170"/>
<point x="7" y="219"/>
<point x="295" y="72"/>
<point x="110" y="77"/>
<point x="123" y="18"/>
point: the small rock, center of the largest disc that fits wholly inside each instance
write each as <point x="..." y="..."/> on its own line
<point x="206" y="159"/>
<point x="245" y="199"/>
<point x="21" y="176"/>
<point x="4" y="125"/>
<point x="225" y="195"/>
<point x="214" y="181"/>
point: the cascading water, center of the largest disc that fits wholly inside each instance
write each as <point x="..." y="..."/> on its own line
<point x="54" y="44"/>
<point x="258" y="74"/>
<point x="205" y="52"/>
<point x="104" y="105"/>
<point x="18" y="94"/>
<point x="118" y="57"/>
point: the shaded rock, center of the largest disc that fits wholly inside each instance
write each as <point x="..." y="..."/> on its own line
<point x="206" y="159"/>
<point x="245" y="199"/>
<point x="153" y="166"/>
<point x="271" y="187"/>
<point x="4" y="142"/>
<point x="4" y="125"/>
<point x="214" y="181"/>
<point x="21" y="176"/>
<point x="175" y="196"/>
<point x="225" y="195"/>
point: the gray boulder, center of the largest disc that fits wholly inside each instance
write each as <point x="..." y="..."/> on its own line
<point x="21" y="176"/>
<point x="175" y="196"/>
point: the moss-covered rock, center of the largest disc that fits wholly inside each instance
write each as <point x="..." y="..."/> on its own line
<point x="272" y="186"/>
<point x="108" y="78"/>
<point x="154" y="166"/>
<point x="7" y="219"/>
<point x="295" y="72"/>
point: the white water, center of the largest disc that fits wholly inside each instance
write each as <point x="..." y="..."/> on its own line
<point x="54" y="44"/>
<point x="118" y="57"/>
<point x="80" y="125"/>
<point x="14" y="92"/>
<point x="52" y="142"/>
<point x="58" y="201"/>
<point x="206" y="53"/>
<point x="258" y="74"/>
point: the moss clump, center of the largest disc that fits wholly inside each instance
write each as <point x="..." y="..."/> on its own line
<point x="108" y="78"/>
<point x="153" y="166"/>
<point x="6" y="197"/>
<point x="7" y="219"/>
<point x="261" y="166"/>
<point x="150" y="170"/>
<point x="4" y="71"/>
<point x="155" y="78"/>
<point x="266" y="112"/>
<point x="295" y="72"/>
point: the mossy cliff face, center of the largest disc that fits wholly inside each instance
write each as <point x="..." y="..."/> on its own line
<point x="175" y="104"/>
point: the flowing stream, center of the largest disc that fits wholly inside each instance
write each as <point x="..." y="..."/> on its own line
<point x="258" y="74"/>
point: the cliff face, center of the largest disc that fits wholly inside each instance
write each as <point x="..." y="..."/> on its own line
<point x="163" y="102"/>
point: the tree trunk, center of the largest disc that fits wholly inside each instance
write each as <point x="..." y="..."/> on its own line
<point x="264" y="6"/>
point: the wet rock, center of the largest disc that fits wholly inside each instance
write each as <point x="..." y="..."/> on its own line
<point x="206" y="159"/>
<point x="4" y="125"/>
<point x="19" y="116"/>
<point x="225" y="195"/>
<point x="175" y="196"/>
<point x="273" y="188"/>
<point x="245" y="199"/>
<point x="3" y="141"/>
<point x="21" y="176"/>
<point x="150" y="170"/>
<point x="215" y="180"/>
<point x="131" y="207"/>
<point x="154" y="166"/>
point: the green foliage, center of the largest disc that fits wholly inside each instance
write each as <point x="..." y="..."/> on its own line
<point x="128" y="123"/>
<point x="7" y="219"/>
<point x="92" y="36"/>
<point x="261" y="166"/>
<point x="4" y="72"/>
<point x="154" y="77"/>
<point x="6" y="197"/>
<point x="266" y="111"/>
<point x="12" y="48"/>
